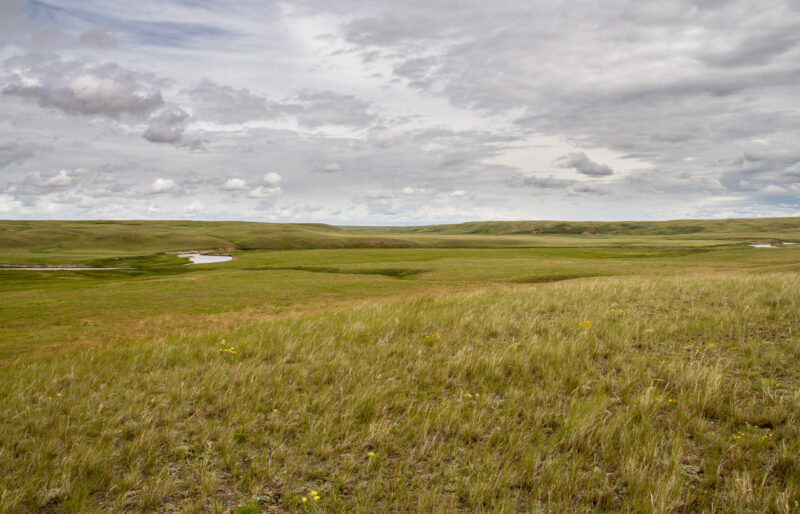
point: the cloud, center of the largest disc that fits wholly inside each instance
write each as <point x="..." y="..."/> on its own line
<point x="61" y="179"/>
<point x="331" y="167"/>
<point x="109" y="91"/>
<point x="553" y="185"/>
<point x="264" y="191"/>
<point x="537" y="182"/>
<point x="37" y="184"/>
<point x="583" y="165"/>
<point x="415" y="191"/>
<point x="167" y="126"/>
<point x="418" y="71"/>
<point x="234" y="184"/>
<point x="163" y="185"/>
<point x="272" y="178"/>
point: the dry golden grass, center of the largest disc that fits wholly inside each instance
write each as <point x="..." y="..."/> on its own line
<point x="679" y="395"/>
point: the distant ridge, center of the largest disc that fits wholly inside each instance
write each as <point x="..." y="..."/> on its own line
<point x="159" y="236"/>
<point x="655" y="228"/>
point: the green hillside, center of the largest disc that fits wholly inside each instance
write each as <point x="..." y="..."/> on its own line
<point x="768" y="227"/>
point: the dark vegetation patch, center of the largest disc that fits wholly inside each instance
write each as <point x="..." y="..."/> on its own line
<point x="619" y="252"/>
<point x="558" y="277"/>
<point x="389" y="272"/>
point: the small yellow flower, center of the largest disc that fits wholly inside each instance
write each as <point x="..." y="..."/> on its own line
<point x="152" y="400"/>
<point x="58" y="394"/>
<point x="585" y="323"/>
<point x="316" y="498"/>
<point x="304" y="499"/>
<point x="371" y="454"/>
<point x="649" y="331"/>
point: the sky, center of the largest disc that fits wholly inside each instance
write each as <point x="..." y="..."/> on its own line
<point x="376" y="112"/>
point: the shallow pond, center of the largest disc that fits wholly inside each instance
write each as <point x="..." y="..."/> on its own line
<point x="199" y="258"/>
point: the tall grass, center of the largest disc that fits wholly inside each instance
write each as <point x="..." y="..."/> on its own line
<point x="672" y="394"/>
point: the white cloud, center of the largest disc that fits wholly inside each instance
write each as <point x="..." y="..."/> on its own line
<point x="583" y="165"/>
<point x="162" y="185"/>
<point x="272" y="178"/>
<point x="234" y="184"/>
<point x="264" y="192"/>
<point x="60" y="179"/>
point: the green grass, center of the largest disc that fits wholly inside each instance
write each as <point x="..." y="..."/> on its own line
<point x="650" y="375"/>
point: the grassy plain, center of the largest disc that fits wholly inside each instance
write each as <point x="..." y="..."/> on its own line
<point x="636" y="367"/>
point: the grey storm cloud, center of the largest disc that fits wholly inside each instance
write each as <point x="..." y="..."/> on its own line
<point x="77" y="89"/>
<point x="167" y="126"/>
<point x="583" y="165"/>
